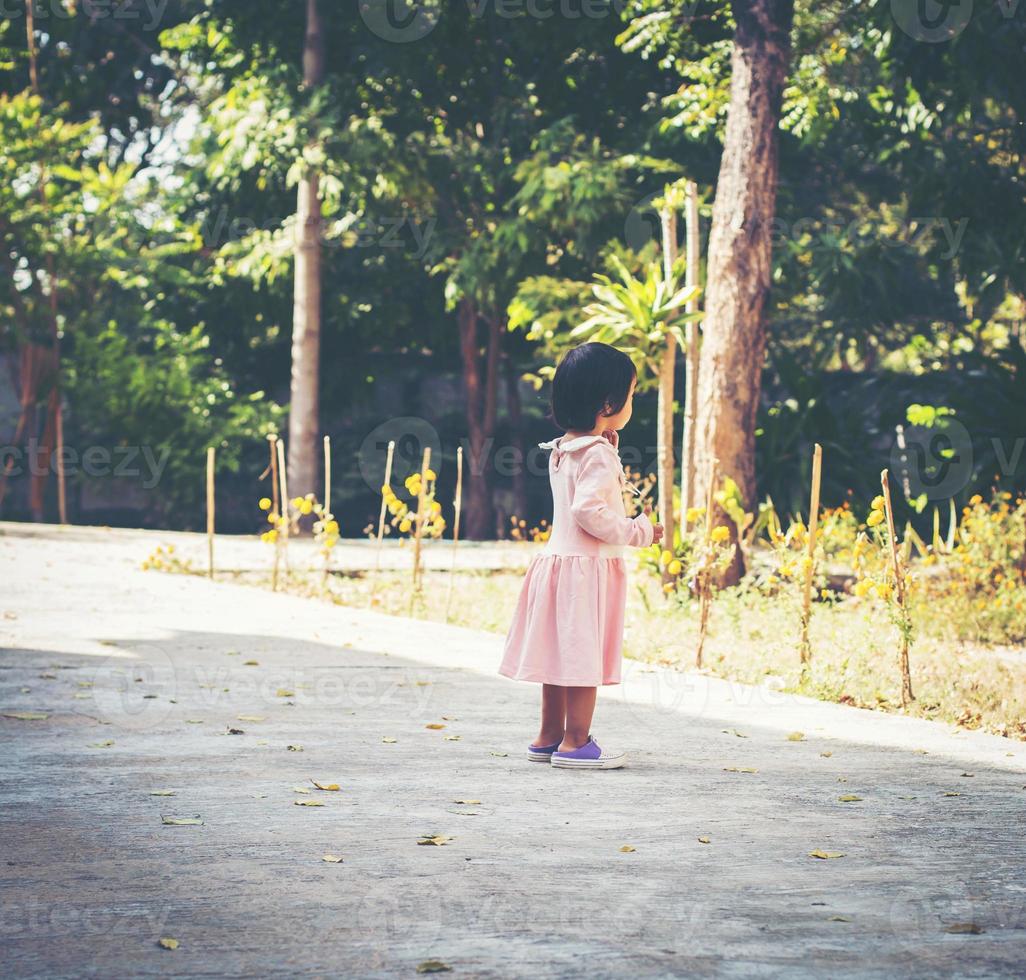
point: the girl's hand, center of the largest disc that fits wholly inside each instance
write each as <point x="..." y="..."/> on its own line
<point x="612" y="437"/>
<point x="657" y="533"/>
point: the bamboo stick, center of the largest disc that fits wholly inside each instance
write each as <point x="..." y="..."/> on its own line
<point x="667" y="372"/>
<point x="805" y="648"/>
<point x="418" y="526"/>
<point x="283" y="534"/>
<point x="705" y="577"/>
<point x="381" y="516"/>
<point x="327" y="474"/>
<point x="692" y="238"/>
<point x="272" y="445"/>
<point x="210" y="511"/>
<point x="907" y="697"/>
<point x="457" y="506"/>
<point x="326" y="508"/>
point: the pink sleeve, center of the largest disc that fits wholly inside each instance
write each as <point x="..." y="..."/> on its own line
<point x="598" y="476"/>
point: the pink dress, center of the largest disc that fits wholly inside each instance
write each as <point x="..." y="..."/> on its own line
<point x="568" y="624"/>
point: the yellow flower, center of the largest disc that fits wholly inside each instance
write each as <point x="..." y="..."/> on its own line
<point x="862" y="588"/>
<point x="386" y="491"/>
<point x="305" y="507"/>
<point x="666" y="557"/>
<point x="297" y="502"/>
<point x="720" y="534"/>
<point x="430" y="475"/>
<point x="269" y="536"/>
<point x="331" y="527"/>
<point x="330" y="541"/>
<point x="265" y="503"/>
<point x="975" y="499"/>
<point x="876" y="517"/>
<point x="436" y="507"/>
<point x="667" y="587"/>
<point x="272" y="518"/>
<point x="405" y="524"/>
<point x="694" y="513"/>
<point x="878" y="503"/>
<point x="675" y="567"/>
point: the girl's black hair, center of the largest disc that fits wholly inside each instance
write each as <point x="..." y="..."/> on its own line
<point x="590" y="379"/>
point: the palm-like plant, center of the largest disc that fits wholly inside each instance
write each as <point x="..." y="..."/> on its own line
<point x="644" y="318"/>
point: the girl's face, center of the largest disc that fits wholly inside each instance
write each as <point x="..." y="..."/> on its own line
<point x="621" y="418"/>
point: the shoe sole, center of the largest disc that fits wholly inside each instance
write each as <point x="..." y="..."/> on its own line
<point x="614" y="763"/>
<point x="538" y="757"/>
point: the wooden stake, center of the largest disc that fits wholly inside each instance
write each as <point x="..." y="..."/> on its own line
<point x="210" y="511"/>
<point x="457" y="506"/>
<point x="326" y="509"/>
<point x="272" y="445"/>
<point x="327" y="474"/>
<point x="418" y="523"/>
<point x="381" y="516"/>
<point x="667" y="374"/>
<point x="805" y="648"/>
<point x="283" y="534"/>
<point x="907" y="697"/>
<point x="705" y="577"/>
<point x="692" y="238"/>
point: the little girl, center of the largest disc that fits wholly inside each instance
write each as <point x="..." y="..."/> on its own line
<point x="567" y="630"/>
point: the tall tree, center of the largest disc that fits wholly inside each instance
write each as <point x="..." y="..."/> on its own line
<point x="740" y="253"/>
<point x="304" y="421"/>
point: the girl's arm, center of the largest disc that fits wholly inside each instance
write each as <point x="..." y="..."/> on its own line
<point x="599" y="470"/>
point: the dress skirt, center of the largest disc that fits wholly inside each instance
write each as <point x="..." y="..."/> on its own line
<point x="568" y="625"/>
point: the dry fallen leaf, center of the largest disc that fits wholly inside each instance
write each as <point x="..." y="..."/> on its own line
<point x="167" y="942"/>
<point x="284" y="692"/>
<point x="308" y="802"/>
<point x="970" y="774"/>
<point x="434" y="966"/>
<point x="162" y="792"/>
<point x="48" y="676"/>
<point x="300" y="789"/>
<point x="849" y="798"/>
<point x="826" y="755"/>
<point x="452" y="738"/>
<point x="734" y="731"/>
<point x="26" y="715"/>
<point x="435" y="726"/>
<point x="964" y="928"/>
<point x="952" y="794"/>
<point x="105" y="744"/>
<point x="235" y="731"/>
<point x="327" y="787"/>
<point x="825" y="855"/>
<point x="194" y="721"/>
<point x="438" y="840"/>
<point x="838" y="918"/>
<point x="251" y="717"/>
<point x="796" y="737"/>
<point x="469" y="802"/>
<point x="737" y="769"/>
<point x="499" y="755"/>
<point x="294" y="748"/>
<point x="627" y="849"/>
<point x="332" y="858"/>
<point x="388" y="740"/>
<point x="704" y="840"/>
<point x="181" y="821"/>
<point x="250" y="663"/>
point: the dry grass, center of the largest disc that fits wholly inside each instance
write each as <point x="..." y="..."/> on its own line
<point x="753" y="637"/>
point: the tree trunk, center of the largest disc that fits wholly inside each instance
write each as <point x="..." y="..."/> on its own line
<point x="304" y="422"/>
<point x="692" y="236"/>
<point x="739" y="261"/>
<point x="664" y="410"/>
<point x="478" y="509"/>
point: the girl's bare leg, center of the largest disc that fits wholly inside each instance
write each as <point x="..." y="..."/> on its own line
<point x="580" y="706"/>
<point x="553" y="714"/>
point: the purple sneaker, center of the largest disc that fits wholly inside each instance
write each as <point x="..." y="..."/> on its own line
<point x="588" y="756"/>
<point x="541" y="753"/>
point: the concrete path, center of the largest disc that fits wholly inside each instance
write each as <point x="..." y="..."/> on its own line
<point x="141" y="675"/>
